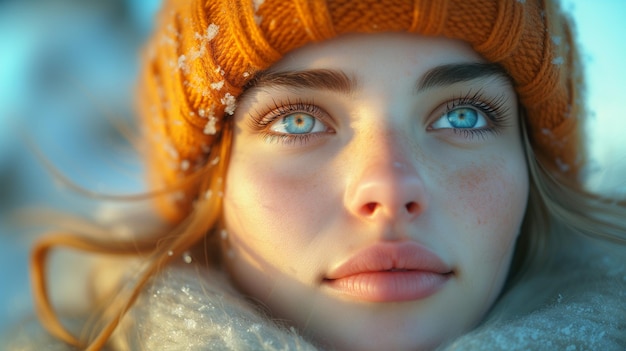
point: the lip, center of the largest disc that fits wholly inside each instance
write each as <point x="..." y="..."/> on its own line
<point x="390" y="272"/>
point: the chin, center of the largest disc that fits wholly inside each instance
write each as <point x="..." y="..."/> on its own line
<point x="384" y="334"/>
<point x="389" y="342"/>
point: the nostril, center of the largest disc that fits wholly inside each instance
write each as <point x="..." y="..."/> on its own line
<point x="370" y="207"/>
<point x="412" y="207"/>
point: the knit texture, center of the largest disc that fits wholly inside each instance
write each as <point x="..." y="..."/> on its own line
<point x="204" y="52"/>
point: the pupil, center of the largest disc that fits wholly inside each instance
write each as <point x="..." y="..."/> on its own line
<point x="299" y="123"/>
<point x="463" y="118"/>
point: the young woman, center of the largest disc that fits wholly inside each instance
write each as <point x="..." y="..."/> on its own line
<point x="360" y="175"/>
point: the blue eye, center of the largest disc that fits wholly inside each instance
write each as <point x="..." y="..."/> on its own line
<point x="298" y="123"/>
<point x="289" y="122"/>
<point x="473" y="114"/>
<point x="461" y="118"/>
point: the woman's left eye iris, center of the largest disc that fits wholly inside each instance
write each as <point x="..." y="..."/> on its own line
<point x="297" y="123"/>
<point x="462" y="118"/>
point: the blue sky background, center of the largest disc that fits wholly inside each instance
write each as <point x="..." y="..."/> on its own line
<point x="54" y="95"/>
<point x="602" y="34"/>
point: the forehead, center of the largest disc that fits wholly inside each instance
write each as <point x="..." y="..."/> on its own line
<point x="379" y="52"/>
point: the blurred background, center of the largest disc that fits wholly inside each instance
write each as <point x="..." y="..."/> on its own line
<point x="67" y="71"/>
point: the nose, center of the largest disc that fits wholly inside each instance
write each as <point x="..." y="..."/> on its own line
<point x="386" y="189"/>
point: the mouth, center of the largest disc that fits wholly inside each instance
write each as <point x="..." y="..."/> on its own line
<point x="390" y="273"/>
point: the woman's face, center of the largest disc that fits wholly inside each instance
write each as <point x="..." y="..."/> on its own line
<point x="376" y="189"/>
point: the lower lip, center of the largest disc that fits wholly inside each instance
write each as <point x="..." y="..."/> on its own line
<point x="390" y="286"/>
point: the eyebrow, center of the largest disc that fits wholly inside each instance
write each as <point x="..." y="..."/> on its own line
<point x="445" y="75"/>
<point x="319" y="79"/>
<point x="339" y="81"/>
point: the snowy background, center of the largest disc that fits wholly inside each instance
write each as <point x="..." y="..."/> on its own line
<point x="67" y="69"/>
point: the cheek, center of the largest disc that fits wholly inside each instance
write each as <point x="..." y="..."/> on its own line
<point x="271" y="214"/>
<point x="490" y="200"/>
<point x="267" y="196"/>
<point x="275" y="206"/>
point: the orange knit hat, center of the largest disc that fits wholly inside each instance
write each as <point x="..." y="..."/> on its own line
<point x="204" y="52"/>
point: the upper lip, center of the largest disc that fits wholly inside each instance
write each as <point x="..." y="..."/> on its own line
<point x="409" y="256"/>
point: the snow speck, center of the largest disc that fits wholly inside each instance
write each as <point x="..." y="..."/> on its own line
<point x="184" y="165"/>
<point x="204" y="39"/>
<point x="187" y="257"/>
<point x="217" y="85"/>
<point x="210" y="33"/>
<point x="230" y="102"/>
<point x="257" y="4"/>
<point x="209" y="128"/>
<point x="182" y="64"/>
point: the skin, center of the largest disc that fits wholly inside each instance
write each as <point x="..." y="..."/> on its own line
<point x="295" y="209"/>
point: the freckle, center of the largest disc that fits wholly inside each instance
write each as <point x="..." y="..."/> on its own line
<point x="474" y="185"/>
<point x="471" y="178"/>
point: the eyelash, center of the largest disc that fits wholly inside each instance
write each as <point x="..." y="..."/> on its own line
<point x="262" y="120"/>
<point x="494" y="109"/>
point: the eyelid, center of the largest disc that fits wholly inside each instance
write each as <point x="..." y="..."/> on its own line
<point x="261" y="121"/>
<point x="493" y="109"/>
<point x="444" y="109"/>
